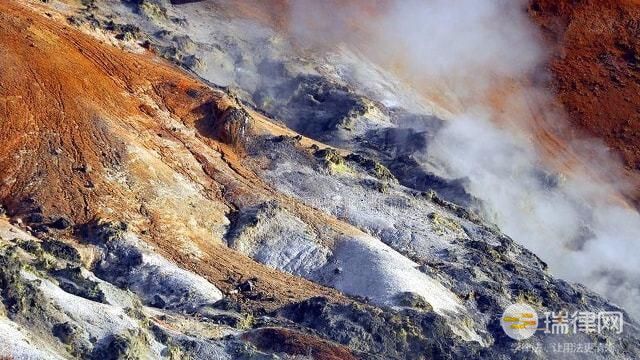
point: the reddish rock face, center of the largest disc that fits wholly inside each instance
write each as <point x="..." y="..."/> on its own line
<point x="596" y="67"/>
<point x="294" y="343"/>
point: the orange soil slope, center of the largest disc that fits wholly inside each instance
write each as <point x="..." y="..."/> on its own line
<point x="60" y="90"/>
<point x="596" y="67"/>
<point x="88" y="130"/>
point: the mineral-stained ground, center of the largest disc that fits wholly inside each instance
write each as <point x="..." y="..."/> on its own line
<point x="178" y="182"/>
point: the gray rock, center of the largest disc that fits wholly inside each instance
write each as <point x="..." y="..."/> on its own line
<point x="61" y="223"/>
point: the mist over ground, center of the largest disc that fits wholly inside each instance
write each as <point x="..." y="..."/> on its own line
<point x="476" y="59"/>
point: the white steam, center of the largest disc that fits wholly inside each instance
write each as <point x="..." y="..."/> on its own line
<point x="465" y="50"/>
<point x="463" y="44"/>
<point x="583" y="236"/>
<point x="470" y="41"/>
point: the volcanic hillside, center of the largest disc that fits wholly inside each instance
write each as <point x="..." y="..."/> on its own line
<point x="178" y="180"/>
<point x="90" y="131"/>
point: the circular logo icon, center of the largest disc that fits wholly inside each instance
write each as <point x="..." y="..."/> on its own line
<point x="519" y="321"/>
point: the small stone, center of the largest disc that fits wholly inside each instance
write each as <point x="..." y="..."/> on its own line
<point x="40" y="230"/>
<point x="233" y="127"/>
<point x="413" y="300"/>
<point x="61" y="223"/>
<point x="232" y="320"/>
<point x="247" y="286"/>
<point x="86" y="168"/>
<point x="64" y="331"/>
<point x="34" y="218"/>
<point x="226" y="304"/>
<point x="158" y="301"/>
<point x="279" y="138"/>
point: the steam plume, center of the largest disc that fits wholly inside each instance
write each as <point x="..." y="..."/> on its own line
<point x="476" y="58"/>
